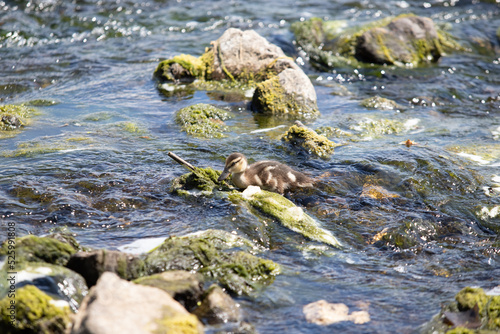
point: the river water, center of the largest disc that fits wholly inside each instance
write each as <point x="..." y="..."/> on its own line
<point x="94" y="160"/>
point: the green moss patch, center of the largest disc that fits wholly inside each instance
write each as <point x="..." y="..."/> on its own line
<point x="309" y="140"/>
<point x="209" y="253"/>
<point x="35" y="312"/>
<point x="203" y="120"/>
<point x="13" y="118"/>
<point x="203" y="179"/>
<point x="182" y="66"/>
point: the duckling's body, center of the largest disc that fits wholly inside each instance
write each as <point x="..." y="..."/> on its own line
<point x="269" y="175"/>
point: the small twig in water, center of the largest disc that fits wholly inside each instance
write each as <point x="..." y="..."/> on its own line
<point x="181" y="161"/>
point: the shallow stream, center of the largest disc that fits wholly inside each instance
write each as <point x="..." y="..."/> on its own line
<point x="94" y="160"/>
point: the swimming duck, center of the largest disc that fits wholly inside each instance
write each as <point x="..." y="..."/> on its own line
<point x="269" y="175"/>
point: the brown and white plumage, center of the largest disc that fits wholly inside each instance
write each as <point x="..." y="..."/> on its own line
<point x="269" y="175"/>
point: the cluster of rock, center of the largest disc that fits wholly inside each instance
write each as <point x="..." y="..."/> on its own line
<point x="246" y="60"/>
<point x="61" y="287"/>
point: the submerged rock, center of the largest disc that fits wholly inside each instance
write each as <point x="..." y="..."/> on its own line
<point x="403" y="40"/>
<point x="212" y="254"/>
<point x="91" y="265"/>
<point x="324" y="313"/>
<point x="114" y="305"/>
<point x="203" y="120"/>
<point x="13" y="118"/>
<point x="33" y="312"/>
<point x="245" y="60"/>
<point x="381" y="103"/>
<point x="308" y="140"/>
<point x="287" y="213"/>
<point x="183" y="286"/>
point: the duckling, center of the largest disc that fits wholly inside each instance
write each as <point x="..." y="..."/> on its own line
<point x="269" y="175"/>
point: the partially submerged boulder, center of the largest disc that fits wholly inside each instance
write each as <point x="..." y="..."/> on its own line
<point x="33" y="311"/>
<point x="213" y="254"/>
<point x="91" y="265"/>
<point x="308" y="140"/>
<point x="203" y="120"/>
<point x="401" y="41"/>
<point x="246" y="60"/>
<point x="287" y="213"/>
<point x="114" y="305"/>
<point x="290" y="93"/>
<point x="405" y="40"/>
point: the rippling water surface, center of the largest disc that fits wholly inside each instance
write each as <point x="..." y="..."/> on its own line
<point x="95" y="158"/>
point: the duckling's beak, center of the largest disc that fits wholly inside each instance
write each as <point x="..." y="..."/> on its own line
<point x="224" y="175"/>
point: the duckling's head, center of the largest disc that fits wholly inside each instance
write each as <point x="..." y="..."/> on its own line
<point x="235" y="163"/>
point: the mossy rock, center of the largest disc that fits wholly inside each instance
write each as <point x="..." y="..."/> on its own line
<point x="182" y="67"/>
<point x="13" y="118"/>
<point x="35" y="312"/>
<point x="373" y="128"/>
<point x="310" y="141"/>
<point x="468" y="297"/>
<point x="287" y="213"/>
<point x="381" y="103"/>
<point x="203" y="120"/>
<point x="31" y="248"/>
<point x="174" y="322"/>
<point x="271" y="97"/>
<point x="209" y="253"/>
<point x="493" y="313"/>
<point x="332" y="44"/>
<point x="201" y="179"/>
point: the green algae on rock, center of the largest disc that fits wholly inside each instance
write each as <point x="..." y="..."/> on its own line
<point x="381" y="103"/>
<point x="34" y="312"/>
<point x="13" y="118"/>
<point x="209" y="253"/>
<point x="474" y="311"/>
<point x="203" y="120"/>
<point x="309" y="140"/>
<point x="60" y="283"/>
<point x="200" y="179"/>
<point x="287" y="213"/>
<point x="286" y="95"/>
<point x="403" y="40"/>
<point x="468" y="297"/>
<point x="31" y="248"/>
